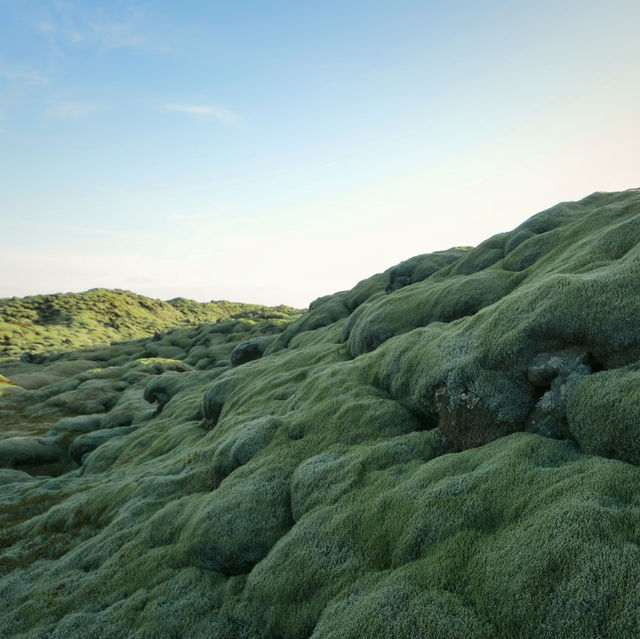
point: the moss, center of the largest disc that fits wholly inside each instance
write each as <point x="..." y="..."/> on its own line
<point x="604" y="414"/>
<point x="249" y="350"/>
<point x="322" y="312"/>
<point x="459" y="542"/>
<point x="480" y="257"/>
<point x="367" y="475"/>
<point x="63" y="320"/>
<point x="232" y="529"/>
<point x="420" y="267"/>
<point x="424" y="303"/>
<point x="241" y="446"/>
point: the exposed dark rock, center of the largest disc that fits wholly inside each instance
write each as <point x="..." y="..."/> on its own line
<point x="466" y="423"/>
<point x="545" y="367"/>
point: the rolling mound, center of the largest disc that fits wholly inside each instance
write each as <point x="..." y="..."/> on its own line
<point x="450" y="449"/>
<point x="65" y="320"/>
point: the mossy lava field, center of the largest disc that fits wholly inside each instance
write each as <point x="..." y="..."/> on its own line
<point x="448" y="450"/>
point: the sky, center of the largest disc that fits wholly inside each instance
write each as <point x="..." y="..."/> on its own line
<point x="273" y="152"/>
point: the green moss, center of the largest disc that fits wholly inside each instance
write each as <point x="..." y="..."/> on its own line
<point x="365" y="477"/>
<point x="322" y="312"/>
<point x="604" y="414"/>
<point x="424" y="303"/>
<point x="63" y="320"/>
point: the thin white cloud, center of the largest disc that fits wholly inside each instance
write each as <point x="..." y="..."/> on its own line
<point x="102" y="26"/>
<point x="23" y="76"/>
<point x="204" y="110"/>
<point x="72" y="110"/>
<point x="114" y="35"/>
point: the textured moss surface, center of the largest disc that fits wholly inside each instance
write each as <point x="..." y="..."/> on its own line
<point x="448" y="450"/>
<point x="30" y="325"/>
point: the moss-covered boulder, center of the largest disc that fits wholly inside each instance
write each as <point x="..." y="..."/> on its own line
<point x="249" y="350"/>
<point x="322" y="312"/>
<point x="78" y="424"/>
<point x="30" y="451"/>
<point x="88" y="442"/>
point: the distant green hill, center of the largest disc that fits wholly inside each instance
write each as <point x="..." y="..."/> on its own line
<point x="67" y="320"/>
<point x="448" y="450"/>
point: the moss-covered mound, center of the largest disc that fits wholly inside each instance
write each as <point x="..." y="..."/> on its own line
<point x="448" y="450"/>
<point x="30" y="325"/>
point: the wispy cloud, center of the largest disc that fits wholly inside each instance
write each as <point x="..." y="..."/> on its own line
<point x="72" y="110"/>
<point x="102" y="26"/>
<point x="109" y="35"/>
<point x="204" y="110"/>
<point x="23" y="76"/>
<point x="20" y="86"/>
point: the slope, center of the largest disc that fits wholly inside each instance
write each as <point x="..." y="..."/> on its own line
<point x="69" y="320"/>
<point x="449" y="449"/>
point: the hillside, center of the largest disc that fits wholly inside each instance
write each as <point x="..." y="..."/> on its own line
<point x="66" y="320"/>
<point x="450" y="449"/>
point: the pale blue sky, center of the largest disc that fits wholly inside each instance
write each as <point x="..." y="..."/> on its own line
<point x="277" y="151"/>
